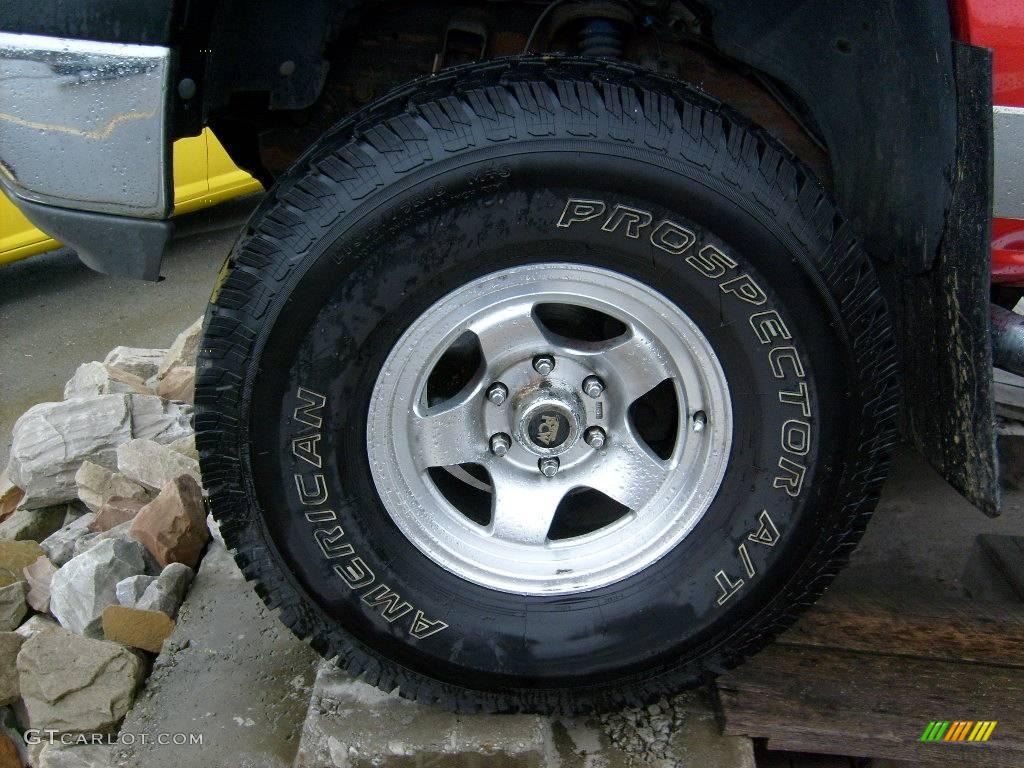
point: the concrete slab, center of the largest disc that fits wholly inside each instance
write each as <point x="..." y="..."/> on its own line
<point x="353" y="725"/>
<point x="922" y="535"/>
<point x="230" y="673"/>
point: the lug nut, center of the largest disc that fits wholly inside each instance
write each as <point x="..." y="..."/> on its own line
<point x="500" y="443"/>
<point x="700" y="420"/>
<point x="548" y="467"/>
<point x="497" y="393"/>
<point x="595" y="438"/>
<point x="543" y="364"/>
<point x="593" y="386"/>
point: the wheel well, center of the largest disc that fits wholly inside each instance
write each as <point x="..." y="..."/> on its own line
<point x="372" y="47"/>
<point x="863" y="94"/>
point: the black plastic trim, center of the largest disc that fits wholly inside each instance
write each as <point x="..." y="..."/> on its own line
<point x="147" y="22"/>
<point x="114" y="245"/>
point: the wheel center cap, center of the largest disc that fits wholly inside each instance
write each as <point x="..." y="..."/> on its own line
<point x="548" y="428"/>
<point x="548" y="424"/>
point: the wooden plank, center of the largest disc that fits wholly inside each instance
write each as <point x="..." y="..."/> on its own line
<point x="873" y="705"/>
<point x="949" y="630"/>
<point x="826" y="748"/>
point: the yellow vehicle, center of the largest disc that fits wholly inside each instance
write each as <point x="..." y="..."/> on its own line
<point x="204" y="175"/>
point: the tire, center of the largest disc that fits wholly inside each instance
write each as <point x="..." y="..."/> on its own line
<point x="647" y="199"/>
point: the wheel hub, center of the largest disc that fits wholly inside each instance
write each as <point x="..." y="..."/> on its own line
<point x="542" y="418"/>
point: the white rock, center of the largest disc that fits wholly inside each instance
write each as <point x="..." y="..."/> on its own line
<point x="51" y="440"/>
<point x="86" y="585"/>
<point x="129" y="591"/>
<point x="159" y="420"/>
<point x="91" y="379"/>
<point x="137" y="361"/>
<point x="154" y="465"/>
<point x="38" y="576"/>
<point x="168" y="591"/>
<point x="35" y="625"/>
<point x="97" y="485"/>
<point x="183" y="350"/>
<point x="73" y="684"/>
<point x="12" y="606"/>
<point x="121" y="532"/>
<point x="60" y="546"/>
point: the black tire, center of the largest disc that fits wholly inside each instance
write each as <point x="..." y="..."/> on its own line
<point x="468" y="172"/>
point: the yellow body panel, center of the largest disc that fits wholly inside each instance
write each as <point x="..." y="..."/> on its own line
<point x="203" y="176"/>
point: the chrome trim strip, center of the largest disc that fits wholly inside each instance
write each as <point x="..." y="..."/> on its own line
<point x="83" y="124"/>
<point x="1008" y="157"/>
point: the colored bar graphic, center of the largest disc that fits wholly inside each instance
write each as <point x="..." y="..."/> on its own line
<point x="935" y="730"/>
<point x="958" y="730"/>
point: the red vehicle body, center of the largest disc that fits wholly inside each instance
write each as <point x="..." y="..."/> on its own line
<point x="999" y="25"/>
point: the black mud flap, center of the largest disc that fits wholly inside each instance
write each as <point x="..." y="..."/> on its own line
<point x="944" y="315"/>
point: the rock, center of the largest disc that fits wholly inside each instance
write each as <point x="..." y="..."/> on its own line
<point x="7" y="577"/>
<point x="75" y="510"/>
<point x="114" y="512"/>
<point x="15" y="555"/>
<point x="60" y="546"/>
<point x="137" y="361"/>
<point x="178" y="384"/>
<point x="173" y="525"/>
<point x="11" y="495"/>
<point x="130" y="591"/>
<point x="57" y="755"/>
<point x="10" y="644"/>
<point x="86" y="585"/>
<point x="122" y="532"/>
<point x="167" y="591"/>
<point x="12" y="606"/>
<point x="97" y="485"/>
<point x="38" y="576"/>
<point x="159" y="420"/>
<point x="9" y="755"/>
<point x="154" y="465"/>
<point x="186" y="446"/>
<point x="35" y="625"/>
<point x="51" y="440"/>
<point x="33" y="524"/>
<point x="138" y="628"/>
<point x="73" y="684"/>
<point x="91" y="379"/>
<point x="183" y="350"/>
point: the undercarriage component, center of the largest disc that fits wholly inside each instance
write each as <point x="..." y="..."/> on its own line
<point x="1007" y="340"/>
